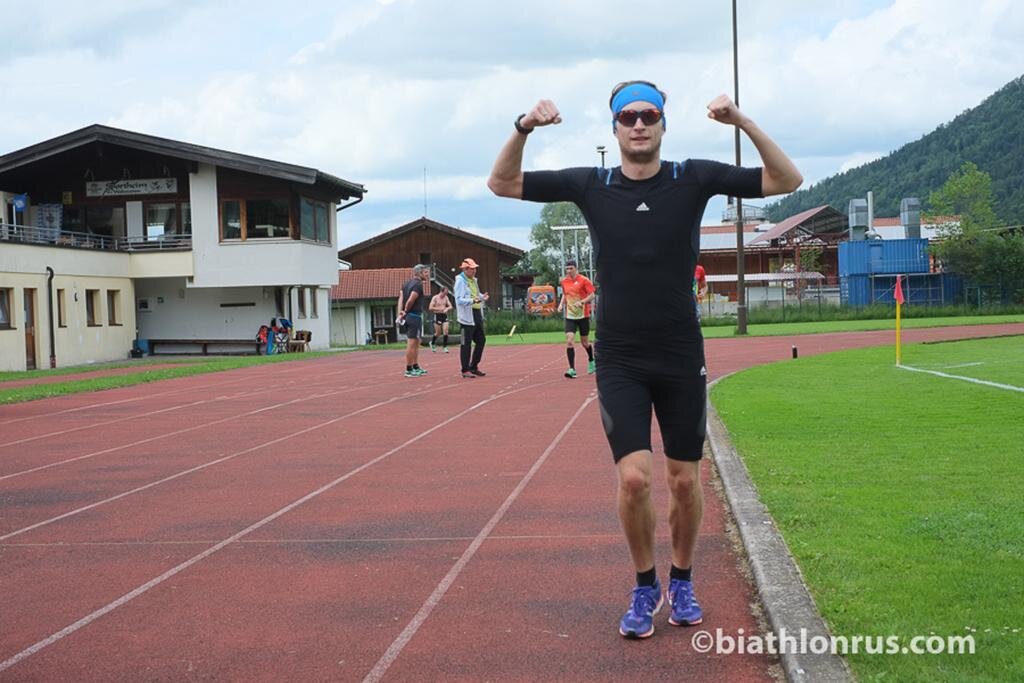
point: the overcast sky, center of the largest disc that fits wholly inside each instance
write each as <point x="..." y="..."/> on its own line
<point x="376" y="91"/>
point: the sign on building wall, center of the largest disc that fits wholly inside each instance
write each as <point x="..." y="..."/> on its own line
<point x="120" y="188"/>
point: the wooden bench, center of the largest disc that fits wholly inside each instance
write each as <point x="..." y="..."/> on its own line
<point x="254" y="345"/>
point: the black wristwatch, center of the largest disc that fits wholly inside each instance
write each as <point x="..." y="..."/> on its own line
<point x="520" y="128"/>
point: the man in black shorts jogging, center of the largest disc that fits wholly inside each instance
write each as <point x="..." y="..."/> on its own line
<point x="577" y="293"/>
<point x="644" y="220"/>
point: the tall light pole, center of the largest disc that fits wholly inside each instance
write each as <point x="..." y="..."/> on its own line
<point x="601" y="150"/>
<point x="741" y="294"/>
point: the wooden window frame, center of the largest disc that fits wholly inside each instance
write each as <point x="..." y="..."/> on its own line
<point x="325" y="230"/>
<point x="92" y="300"/>
<point x="243" y="218"/>
<point x="5" y="296"/>
<point x="62" y="308"/>
<point x="113" y="307"/>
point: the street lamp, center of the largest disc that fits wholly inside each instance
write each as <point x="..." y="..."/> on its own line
<point x="601" y="150"/>
<point x="741" y="295"/>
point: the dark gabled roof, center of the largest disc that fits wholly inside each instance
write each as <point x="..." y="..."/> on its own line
<point x="424" y="222"/>
<point x="822" y="222"/>
<point x="180" y="150"/>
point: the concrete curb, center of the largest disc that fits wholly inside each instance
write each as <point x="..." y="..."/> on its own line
<point x="787" y="602"/>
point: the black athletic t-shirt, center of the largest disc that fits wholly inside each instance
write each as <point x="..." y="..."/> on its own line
<point x="646" y="236"/>
<point x="413" y="285"/>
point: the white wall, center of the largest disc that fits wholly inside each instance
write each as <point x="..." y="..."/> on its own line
<point x="253" y="262"/>
<point x="177" y="311"/>
<point x="77" y="343"/>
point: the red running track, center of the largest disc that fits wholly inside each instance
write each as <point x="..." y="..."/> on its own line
<point x="331" y="519"/>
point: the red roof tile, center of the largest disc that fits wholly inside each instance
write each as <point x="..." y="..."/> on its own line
<point x="372" y="283"/>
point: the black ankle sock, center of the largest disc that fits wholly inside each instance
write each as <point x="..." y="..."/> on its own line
<point x="408" y="368"/>
<point x="570" y="352"/>
<point x="683" y="574"/>
<point x="647" y="578"/>
<point x="590" y="353"/>
<point x="416" y="366"/>
<point x="444" y="341"/>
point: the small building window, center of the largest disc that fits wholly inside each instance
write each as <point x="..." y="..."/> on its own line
<point x="5" y="308"/>
<point x="302" y="301"/>
<point x="62" y="308"/>
<point x="314" y="221"/>
<point x="231" y="220"/>
<point x="92" y="304"/>
<point x="113" y="307"/>
<point x="267" y="218"/>
<point x="312" y="303"/>
<point x="247" y="219"/>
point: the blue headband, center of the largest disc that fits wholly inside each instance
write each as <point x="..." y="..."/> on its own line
<point x="637" y="92"/>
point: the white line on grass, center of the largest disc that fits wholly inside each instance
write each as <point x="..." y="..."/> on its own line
<point x="972" y="380"/>
<point x="410" y="630"/>
<point x="127" y="597"/>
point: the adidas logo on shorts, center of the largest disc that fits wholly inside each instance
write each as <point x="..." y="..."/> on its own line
<point x="703" y="371"/>
<point x="643" y="207"/>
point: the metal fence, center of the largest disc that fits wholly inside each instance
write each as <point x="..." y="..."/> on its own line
<point x="31" y="234"/>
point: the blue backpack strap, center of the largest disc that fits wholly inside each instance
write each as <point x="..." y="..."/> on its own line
<point x="677" y="169"/>
<point x="604" y="175"/>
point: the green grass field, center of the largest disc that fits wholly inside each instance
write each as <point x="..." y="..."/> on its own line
<point x="184" y="367"/>
<point x="899" y="494"/>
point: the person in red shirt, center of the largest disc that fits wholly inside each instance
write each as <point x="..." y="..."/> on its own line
<point x="577" y="293"/>
<point x="700" y="287"/>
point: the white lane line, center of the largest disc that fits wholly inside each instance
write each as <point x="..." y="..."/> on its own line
<point x="242" y="395"/>
<point x="127" y="597"/>
<point x="427" y="389"/>
<point x="972" y="380"/>
<point x="157" y="437"/>
<point x="211" y="463"/>
<point x="120" y="419"/>
<point x="382" y="540"/>
<point x="263" y="378"/>
<point x="961" y="365"/>
<point x="382" y="665"/>
<point x="178" y="432"/>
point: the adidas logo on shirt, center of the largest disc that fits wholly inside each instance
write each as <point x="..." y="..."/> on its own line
<point x="643" y="207"/>
<point x="703" y="371"/>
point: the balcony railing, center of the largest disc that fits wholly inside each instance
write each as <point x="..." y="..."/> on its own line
<point x="30" y="234"/>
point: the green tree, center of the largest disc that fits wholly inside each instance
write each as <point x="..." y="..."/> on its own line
<point x="974" y="247"/>
<point x="544" y="258"/>
<point x="966" y="193"/>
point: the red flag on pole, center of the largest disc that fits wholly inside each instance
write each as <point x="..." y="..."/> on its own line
<point x="898" y="294"/>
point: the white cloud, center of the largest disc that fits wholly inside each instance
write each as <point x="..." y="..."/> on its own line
<point x="859" y="159"/>
<point x="375" y="91"/>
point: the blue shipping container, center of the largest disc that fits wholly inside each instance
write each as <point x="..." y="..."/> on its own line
<point x="865" y="257"/>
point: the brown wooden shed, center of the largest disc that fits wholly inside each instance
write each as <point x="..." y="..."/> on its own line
<point x="442" y="246"/>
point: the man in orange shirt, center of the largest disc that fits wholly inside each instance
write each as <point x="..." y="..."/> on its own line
<point x="577" y="293"/>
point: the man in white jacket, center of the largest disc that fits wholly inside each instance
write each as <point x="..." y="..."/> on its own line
<point x="469" y="301"/>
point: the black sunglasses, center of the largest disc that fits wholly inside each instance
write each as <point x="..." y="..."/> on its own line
<point x="628" y="117"/>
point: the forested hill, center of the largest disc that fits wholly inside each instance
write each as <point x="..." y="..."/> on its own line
<point x="991" y="135"/>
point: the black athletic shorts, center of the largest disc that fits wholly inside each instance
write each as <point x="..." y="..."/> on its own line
<point x="634" y="376"/>
<point x="414" y="325"/>
<point x="581" y="325"/>
<point x="440" y="318"/>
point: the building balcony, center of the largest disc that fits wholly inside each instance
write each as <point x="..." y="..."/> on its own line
<point x="55" y="237"/>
